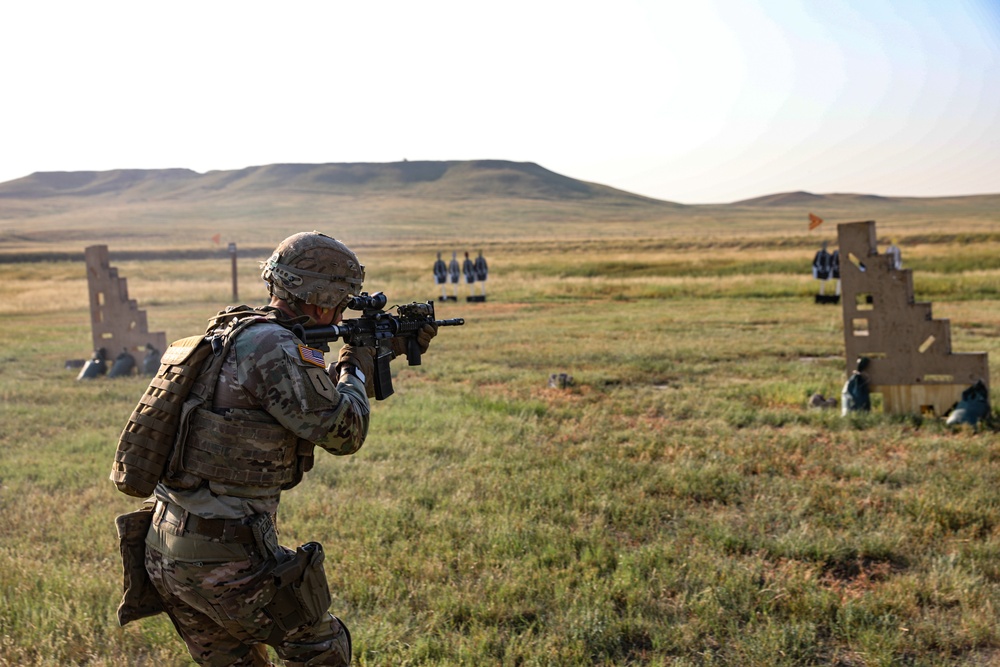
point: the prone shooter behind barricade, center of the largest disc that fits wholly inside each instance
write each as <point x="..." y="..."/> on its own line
<point x="231" y="420"/>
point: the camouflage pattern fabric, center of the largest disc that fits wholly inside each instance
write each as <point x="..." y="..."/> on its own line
<point x="216" y="592"/>
<point x="269" y="371"/>
<point x="218" y="609"/>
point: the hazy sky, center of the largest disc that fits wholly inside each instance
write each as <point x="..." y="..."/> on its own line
<point x="693" y="101"/>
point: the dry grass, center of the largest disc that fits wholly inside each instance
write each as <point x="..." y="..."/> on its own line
<point x="678" y="505"/>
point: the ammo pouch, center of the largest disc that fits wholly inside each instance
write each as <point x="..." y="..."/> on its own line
<point x="145" y="445"/>
<point x="139" y="598"/>
<point x="146" y="451"/>
<point x="302" y="595"/>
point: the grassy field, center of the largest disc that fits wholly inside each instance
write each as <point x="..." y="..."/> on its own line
<point x="677" y="505"/>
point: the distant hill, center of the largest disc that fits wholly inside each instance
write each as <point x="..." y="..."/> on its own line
<point x="143" y="210"/>
<point x="445" y="180"/>
<point x="801" y="198"/>
<point x="437" y="180"/>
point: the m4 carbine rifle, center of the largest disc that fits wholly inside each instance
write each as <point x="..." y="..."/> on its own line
<point x="375" y="328"/>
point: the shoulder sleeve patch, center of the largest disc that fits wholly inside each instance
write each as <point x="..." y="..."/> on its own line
<point x="312" y="356"/>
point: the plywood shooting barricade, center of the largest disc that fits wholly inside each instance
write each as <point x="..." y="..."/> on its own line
<point x="116" y="322"/>
<point x="912" y="364"/>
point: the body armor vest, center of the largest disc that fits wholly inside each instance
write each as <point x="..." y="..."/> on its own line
<point x="174" y="434"/>
<point x="146" y="443"/>
<point x="240" y="452"/>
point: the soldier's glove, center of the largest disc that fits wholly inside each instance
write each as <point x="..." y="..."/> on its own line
<point x="362" y="358"/>
<point x="424" y="335"/>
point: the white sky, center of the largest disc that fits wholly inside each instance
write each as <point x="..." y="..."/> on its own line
<point x="693" y="101"/>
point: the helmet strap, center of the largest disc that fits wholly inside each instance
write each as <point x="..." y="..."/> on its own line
<point x="296" y="307"/>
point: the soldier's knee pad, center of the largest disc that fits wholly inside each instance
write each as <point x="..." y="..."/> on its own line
<point x="336" y="651"/>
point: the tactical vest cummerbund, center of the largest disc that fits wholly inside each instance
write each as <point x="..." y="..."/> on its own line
<point x="240" y="451"/>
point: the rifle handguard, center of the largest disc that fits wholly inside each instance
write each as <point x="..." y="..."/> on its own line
<point x="376" y="328"/>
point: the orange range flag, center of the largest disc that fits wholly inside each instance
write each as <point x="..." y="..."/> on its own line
<point x="814" y="221"/>
<point x="218" y="237"/>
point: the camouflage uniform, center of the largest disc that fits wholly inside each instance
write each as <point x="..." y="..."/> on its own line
<point x="212" y="572"/>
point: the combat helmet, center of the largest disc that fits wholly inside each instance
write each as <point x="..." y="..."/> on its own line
<point x="313" y="268"/>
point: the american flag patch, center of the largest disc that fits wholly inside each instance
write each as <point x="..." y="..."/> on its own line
<point x="312" y="356"/>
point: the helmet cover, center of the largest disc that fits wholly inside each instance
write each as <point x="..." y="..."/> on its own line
<point x="313" y="268"/>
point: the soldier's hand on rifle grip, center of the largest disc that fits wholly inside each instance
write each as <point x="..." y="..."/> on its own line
<point x="424" y="336"/>
<point x="363" y="358"/>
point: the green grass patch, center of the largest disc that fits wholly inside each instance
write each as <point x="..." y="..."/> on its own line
<point x="676" y="504"/>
